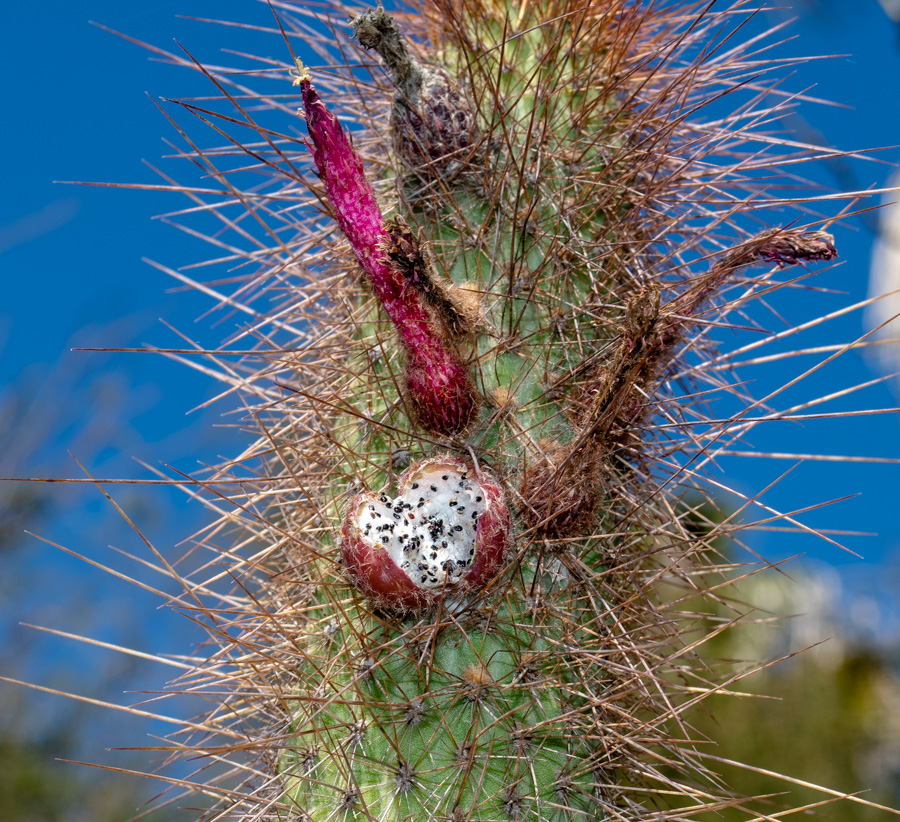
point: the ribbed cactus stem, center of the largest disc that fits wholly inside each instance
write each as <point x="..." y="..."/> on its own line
<point x="468" y="525"/>
<point x="437" y="382"/>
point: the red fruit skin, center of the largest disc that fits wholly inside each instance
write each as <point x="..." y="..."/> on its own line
<point x="437" y="382"/>
<point x="379" y="578"/>
<point x="372" y="570"/>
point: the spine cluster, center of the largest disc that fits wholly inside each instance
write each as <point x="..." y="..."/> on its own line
<point x="463" y="583"/>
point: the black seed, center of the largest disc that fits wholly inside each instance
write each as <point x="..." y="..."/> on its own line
<point x="385" y="540"/>
<point x="415" y="485"/>
<point x="477" y="499"/>
<point x="457" y="527"/>
<point x="445" y="477"/>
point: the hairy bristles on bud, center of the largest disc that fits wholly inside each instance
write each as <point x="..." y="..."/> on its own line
<point x="440" y="390"/>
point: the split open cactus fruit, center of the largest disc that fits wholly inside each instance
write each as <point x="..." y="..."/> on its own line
<point x="499" y="248"/>
<point x="446" y="531"/>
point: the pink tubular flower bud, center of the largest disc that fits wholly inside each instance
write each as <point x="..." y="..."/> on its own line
<point x="446" y="532"/>
<point x="437" y="382"/>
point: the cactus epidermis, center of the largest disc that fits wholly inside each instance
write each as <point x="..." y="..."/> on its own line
<point x="487" y="704"/>
<point x="499" y="274"/>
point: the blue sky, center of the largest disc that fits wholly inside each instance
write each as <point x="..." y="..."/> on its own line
<point x="77" y="106"/>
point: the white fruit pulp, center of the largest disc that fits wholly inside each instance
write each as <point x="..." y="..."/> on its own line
<point x="430" y="531"/>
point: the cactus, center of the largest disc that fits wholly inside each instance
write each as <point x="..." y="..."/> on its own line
<point x="494" y="265"/>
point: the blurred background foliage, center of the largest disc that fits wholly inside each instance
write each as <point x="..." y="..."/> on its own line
<point x="90" y="413"/>
<point x="828" y="715"/>
<point x="812" y="679"/>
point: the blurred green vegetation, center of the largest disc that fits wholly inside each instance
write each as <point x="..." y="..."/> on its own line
<point x="812" y="699"/>
<point x="830" y="716"/>
<point x="40" y="585"/>
<point x="36" y="787"/>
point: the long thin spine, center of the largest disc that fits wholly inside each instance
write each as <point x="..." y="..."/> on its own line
<point x="544" y="258"/>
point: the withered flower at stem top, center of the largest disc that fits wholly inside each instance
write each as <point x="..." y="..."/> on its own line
<point x="434" y="126"/>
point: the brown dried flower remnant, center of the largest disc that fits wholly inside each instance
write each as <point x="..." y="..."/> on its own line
<point x="459" y="310"/>
<point x="564" y="490"/>
<point x="790" y="248"/>
<point x="434" y="127"/>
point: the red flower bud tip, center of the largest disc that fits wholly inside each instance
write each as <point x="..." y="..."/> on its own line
<point x="446" y="532"/>
<point x="437" y="382"/>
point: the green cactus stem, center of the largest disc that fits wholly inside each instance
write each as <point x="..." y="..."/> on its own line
<point x="434" y="590"/>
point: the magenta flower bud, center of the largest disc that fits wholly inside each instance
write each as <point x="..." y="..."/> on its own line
<point x="446" y="532"/>
<point x="437" y="382"/>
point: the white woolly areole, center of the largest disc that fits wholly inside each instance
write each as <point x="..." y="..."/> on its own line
<point x="429" y="532"/>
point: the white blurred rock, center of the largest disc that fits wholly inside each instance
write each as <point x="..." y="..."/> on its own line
<point x="891" y="9"/>
<point x="884" y="279"/>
